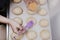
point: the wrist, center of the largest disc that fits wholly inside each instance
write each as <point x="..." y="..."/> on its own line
<point x="9" y="21"/>
<point x="4" y="20"/>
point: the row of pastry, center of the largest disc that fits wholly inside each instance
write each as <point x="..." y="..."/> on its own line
<point x="32" y="35"/>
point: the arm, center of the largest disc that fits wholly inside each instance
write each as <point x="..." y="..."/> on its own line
<point x="3" y="20"/>
<point x="14" y="25"/>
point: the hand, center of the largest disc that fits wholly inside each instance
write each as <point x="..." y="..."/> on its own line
<point x="15" y="26"/>
<point x="22" y="31"/>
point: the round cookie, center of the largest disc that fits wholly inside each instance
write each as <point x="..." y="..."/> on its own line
<point x="17" y="1"/>
<point x="19" y="20"/>
<point x="42" y="2"/>
<point x="42" y="12"/>
<point x="16" y="37"/>
<point x="17" y="10"/>
<point x="45" y="34"/>
<point x="31" y="35"/>
<point x="43" y="22"/>
<point x="31" y="19"/>
<point x="32" y="6"/>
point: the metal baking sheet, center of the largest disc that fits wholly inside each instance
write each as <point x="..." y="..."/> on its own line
<point x="25" y="15"/>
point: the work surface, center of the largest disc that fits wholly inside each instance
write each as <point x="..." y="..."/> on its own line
<point x="55" y="18"/>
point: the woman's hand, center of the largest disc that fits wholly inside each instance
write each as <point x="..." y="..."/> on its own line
<point x="15" y="26"/>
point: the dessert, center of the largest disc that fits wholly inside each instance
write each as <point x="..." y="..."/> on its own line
<point x="31" y="35"/>
<point x="32" y="6"/>
<point x="16" y="36"/>
<point x="43" y="22"/>
<point x="42" y="12"/>
<point x="45" y="34"/>
<point x="18" y="20"/>
<point x="42" y="2"/>
<point x="17" y="1"/>
<point x="17" y="10"/>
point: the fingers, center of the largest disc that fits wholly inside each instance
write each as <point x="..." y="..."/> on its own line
<point x="21" y="32"/>
<point x="17" y="29"/>
<point x="21" y="27"/>
<point x="15" y="26"/>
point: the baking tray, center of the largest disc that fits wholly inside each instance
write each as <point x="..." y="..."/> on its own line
<point x="11" y="16"/>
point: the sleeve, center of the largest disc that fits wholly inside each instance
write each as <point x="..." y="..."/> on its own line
<point x="4" y="7"/>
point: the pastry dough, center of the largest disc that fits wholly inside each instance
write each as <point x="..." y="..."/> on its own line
<point x="42" y="2"/>
<point x="43" y="22"/>
<point x="17" y="1"/>
<point x="16" y="37"/>
<point x="42" y="12"/>
<point x="19" y="20"/>
<point x="17" y="10"/>
<point x="45" y="34"/>
<point x="31" y="19"/>
<point x="31" y="35"/>
<point x="32" y="6"/>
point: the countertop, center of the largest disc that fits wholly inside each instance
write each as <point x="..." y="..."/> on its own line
<point x="54" y="6"/>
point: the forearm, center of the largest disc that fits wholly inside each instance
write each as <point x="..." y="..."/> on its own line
<point x="4" y="20"/>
